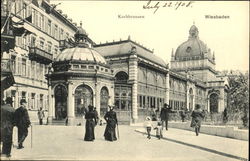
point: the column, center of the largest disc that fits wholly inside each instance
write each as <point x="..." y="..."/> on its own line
<point x="167" y="88"/>
<point x="97" y="101"/>
<point x="50" y="111"/>
<point x="71" y="105"/>
<point x="221" y="100"/>
<point x="133" y="65"/>
<point x="208" y="104"/>
<point x="16" y="99"/>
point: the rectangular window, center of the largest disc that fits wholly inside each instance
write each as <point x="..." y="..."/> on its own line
<point x="13" y="62"/>
<point x="42" y="22"/>
<point x="36" y="18"/>
<point x="49" y="47"/>
<point x="42" y="72"/>
<point x="33" y="41"/>
<point x="61" y="34"/>
<point x="56" y="31"/>
<point x="28" y="68"/>
<point x="24" y="95"/>
<point x="55" y="50"/>
<point x="23" y="67"/>
<point x="140" y="101"/>
<point x="42" y="44"/>
<point x="49" y="27"/>
<point x="24" y="10"/>
<point x="33" y="69"/>
<point x="41" y="100"/>
<point x="38" y="71"/>
<point x="33" y="100"/>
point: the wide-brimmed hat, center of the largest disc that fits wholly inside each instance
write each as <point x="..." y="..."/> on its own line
<point x="166" y="105"/>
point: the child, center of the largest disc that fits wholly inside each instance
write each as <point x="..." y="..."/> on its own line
<point x="158" y="129"/>
<point x="148" y="125"/>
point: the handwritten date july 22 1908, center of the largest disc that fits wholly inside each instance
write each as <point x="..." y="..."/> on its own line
<point x="155" y="5"/>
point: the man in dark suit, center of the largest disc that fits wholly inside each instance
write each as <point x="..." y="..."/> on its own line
<point x="7" y="124"/>
<point x="165" y="115"/>
<point x="22" y="122"/>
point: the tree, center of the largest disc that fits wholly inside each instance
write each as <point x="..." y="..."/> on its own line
<point x="239" y="95"/>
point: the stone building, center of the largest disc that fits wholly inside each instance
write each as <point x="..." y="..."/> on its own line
<point x="33" y="52"/>
<point x="199" y="82"/>
<point x="131" y="77"/>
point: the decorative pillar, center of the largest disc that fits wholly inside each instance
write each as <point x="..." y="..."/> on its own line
<point x="16" y="98"/>
<point x="71" y="105"/>
<point x="133" y="67"/>
<point x="187" y="98"/>
<point x="167" y="89"/>
<point x="221" y="100"/>
<point x="53" y="105"/>
<point x="208" y="104"/>
<point x="97" y="101"/>
<point x="50" y="112"/>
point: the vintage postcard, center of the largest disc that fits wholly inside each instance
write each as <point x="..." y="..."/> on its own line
<point x="124" y="80"/>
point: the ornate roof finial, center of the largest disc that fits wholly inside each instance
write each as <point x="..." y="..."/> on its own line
<point x="172" y="54"/>
<point x="81" y="23"/>
<point x="128" y="37"/>
<point x="213" y="55"/>
<point x="193" y="22"/>
<point x="193" y="32"/>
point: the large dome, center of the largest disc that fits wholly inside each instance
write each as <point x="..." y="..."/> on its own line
<point x="193" y="47"/>
<point x="81" y="54"/>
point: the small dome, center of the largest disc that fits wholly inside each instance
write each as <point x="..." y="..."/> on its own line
<point x="80" y="31"/>
<point x="81" y="54"/>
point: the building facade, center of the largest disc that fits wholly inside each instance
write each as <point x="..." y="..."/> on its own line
<point x="33" y="52"/>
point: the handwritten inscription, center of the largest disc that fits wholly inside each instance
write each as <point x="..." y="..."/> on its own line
<point x="155" y="5"/>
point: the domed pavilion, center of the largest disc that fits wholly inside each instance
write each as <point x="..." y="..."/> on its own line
<point x="80" y="77"/>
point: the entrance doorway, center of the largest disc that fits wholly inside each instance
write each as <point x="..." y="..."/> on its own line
<point x="60" y="102"/>
<point x="213" y="101"/>
<point x="123" y="97"/>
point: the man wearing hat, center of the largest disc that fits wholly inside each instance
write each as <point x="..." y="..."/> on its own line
<point x="22" y="122"/>
<point x="165" y="115"/>
<point x="7" y="124"/>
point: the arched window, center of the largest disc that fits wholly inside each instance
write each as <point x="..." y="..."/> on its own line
<point x="104" y="94"/>
<point x="121" y="77"/>
<point x="83" y="98"/>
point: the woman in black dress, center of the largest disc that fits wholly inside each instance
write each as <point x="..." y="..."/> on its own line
<point x="91" y="122"/>
<point x="197" y="116"/>
<point x="111" y="120"/>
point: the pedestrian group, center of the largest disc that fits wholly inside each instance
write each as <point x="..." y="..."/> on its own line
<point x="197" y="117"/>
<point x="10" y="118"/>
<point x="20" y="118"/>
<point x="91" y="117"/>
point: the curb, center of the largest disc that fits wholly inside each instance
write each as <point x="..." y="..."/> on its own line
<point x="199" y="147"/>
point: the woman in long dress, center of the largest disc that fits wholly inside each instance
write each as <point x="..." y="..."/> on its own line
<point x="111" y="120"/>
<point x="91" y="122"/>
<point x="197" y="117"/>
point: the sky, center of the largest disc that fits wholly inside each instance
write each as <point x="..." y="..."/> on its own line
<point x="168" y="27"/>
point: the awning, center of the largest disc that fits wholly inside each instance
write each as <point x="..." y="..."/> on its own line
<point x="7" y="81"/>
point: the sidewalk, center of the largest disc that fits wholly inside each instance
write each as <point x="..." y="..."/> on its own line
<point x="237" y="149"/>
